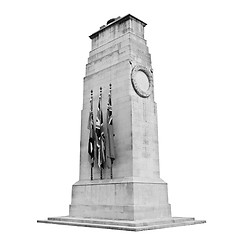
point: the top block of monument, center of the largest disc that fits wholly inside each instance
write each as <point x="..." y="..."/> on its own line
<point x="116" y="27"/>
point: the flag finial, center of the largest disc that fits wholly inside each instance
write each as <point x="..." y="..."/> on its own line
<point x="91" y="99"/>
<point x="110" y="89"/>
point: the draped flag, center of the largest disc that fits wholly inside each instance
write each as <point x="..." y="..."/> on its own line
<point x="91" y="140"/>
<point x="110" y="134"/>
<point x="101" y="151"/>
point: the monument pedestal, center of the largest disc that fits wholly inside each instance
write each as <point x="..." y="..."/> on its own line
<point x="120" y="199"/>
<point x="131" y="204"/>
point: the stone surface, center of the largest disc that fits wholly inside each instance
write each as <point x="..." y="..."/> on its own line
<point x="135" y="118"/>
<point x="123" y="225"/>
<point x="136" y="198"/>
<point x="128" y="199"/>
<point x="136" y="192"/>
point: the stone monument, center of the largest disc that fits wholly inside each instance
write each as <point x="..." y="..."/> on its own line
<point x="129" y="194"/>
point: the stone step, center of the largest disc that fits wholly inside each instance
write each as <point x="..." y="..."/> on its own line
<point x="121" y="222"/>
<point x="123" y="225"/>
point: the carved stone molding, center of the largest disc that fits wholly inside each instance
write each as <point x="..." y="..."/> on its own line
<point x="139" y="91"/>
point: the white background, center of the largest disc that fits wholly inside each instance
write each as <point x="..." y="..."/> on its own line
<point x="195" y="48"/>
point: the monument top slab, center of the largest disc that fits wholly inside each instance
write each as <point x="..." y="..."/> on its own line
<point x="115" y="21"/>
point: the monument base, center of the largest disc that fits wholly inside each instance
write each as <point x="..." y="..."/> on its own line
<point x="127" y="199"/>
<point x="132" y="204"/>
<point x="138" y="225"/>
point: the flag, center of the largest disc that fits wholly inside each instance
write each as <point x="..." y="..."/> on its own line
<point x="110" y="134"/>
<point x="100" y="137"/>
<point x="91" y="139"/>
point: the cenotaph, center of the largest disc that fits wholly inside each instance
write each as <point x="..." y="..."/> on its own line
<point x="128" y="193"/>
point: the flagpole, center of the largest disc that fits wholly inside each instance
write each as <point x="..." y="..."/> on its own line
<point x="91" y="172"/>
<point x="110" y="93"/>
<point x="91" y="104"/>
<point x="111" y="169"/>
<point x="101" y="177"/>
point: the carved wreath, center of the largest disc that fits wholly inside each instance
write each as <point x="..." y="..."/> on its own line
<point x="139" y="91"/>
